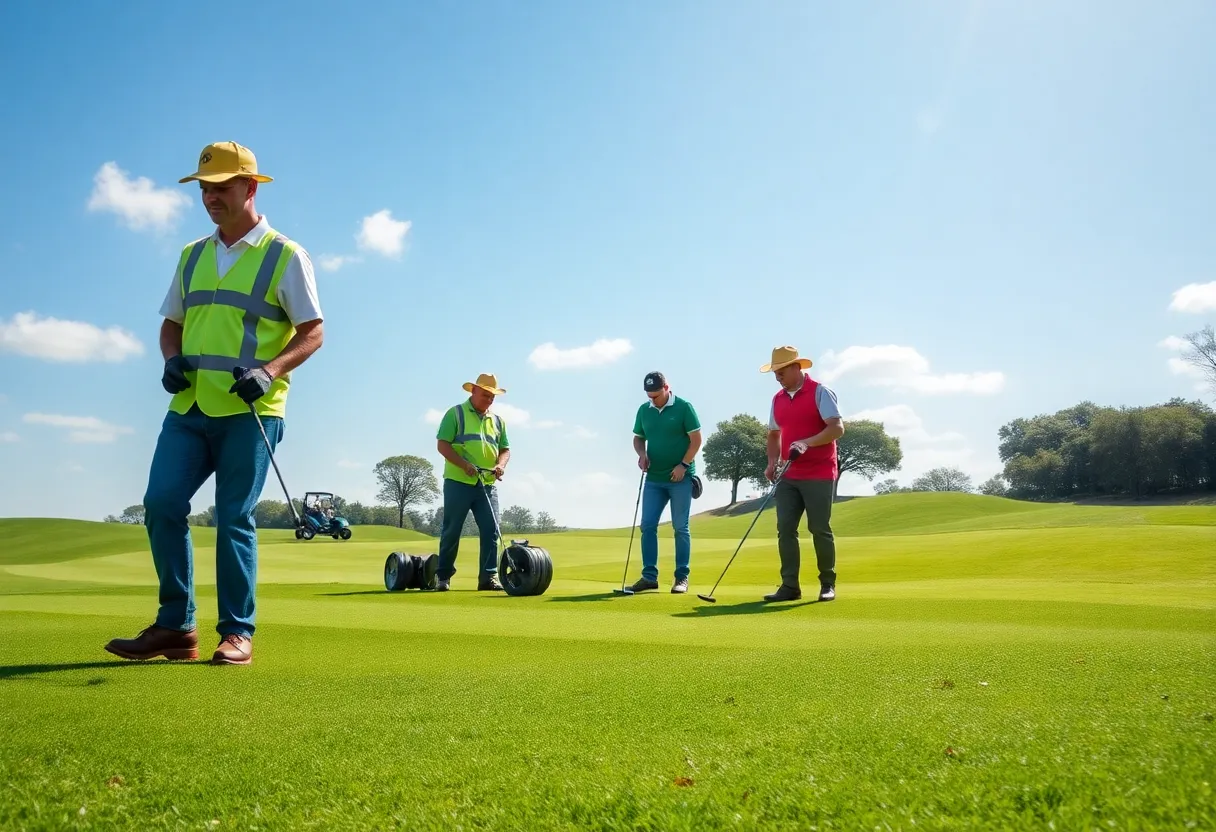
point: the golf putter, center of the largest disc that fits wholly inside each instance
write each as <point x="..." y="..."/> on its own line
<point x="497" y="527"/>
<point x="237" y="372"/>
<point x="623" y="590"/>
<point x="794" y="454"/>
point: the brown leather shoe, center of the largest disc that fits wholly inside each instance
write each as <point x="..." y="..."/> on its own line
<point x="157" y="641"/>
<point x="233" y="649"/>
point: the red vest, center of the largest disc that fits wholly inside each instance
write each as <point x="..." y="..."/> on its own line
<point x="798" y="418"/>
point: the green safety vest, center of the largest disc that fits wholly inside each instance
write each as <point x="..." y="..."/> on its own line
<point x="477" y="440"/>
<point x="234" y="321"/>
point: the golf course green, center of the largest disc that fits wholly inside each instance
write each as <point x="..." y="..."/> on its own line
<point x="988" y="663"/>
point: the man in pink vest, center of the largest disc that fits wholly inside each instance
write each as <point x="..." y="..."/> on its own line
<point x="804" y="415"/>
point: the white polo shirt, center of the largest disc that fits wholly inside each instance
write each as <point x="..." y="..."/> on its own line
<point x="296" y="292"/>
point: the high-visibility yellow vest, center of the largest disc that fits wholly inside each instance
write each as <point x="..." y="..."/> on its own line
<point x="234" y="321"/>
<point x="475" y="437"/>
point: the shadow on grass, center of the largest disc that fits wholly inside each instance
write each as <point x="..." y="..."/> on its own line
<point x="593" y="596"/>
<point x="361" y="592"/>
<point x="13" y="671"/>
<point x="746" y="608"/>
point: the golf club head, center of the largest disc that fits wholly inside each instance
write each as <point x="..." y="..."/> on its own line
<point x="707" y="598"/>
<point x="623" y="591"/>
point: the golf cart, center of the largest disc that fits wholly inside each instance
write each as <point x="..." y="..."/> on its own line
<point x="319" y="518"/>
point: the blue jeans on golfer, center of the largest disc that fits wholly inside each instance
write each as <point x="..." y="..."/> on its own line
<point x="190" y="449"/>
<point x="655" y="497"/>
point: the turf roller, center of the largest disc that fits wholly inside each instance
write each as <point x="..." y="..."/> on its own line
<point x="522" y="569"/>
<point x="402" y="571"/>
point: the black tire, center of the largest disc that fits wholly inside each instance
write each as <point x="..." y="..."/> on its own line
<point x="398" y="570"/>
<point x="306" y="534"/>
<point x="534" y="572"/>
<point x="299" y="533"/>
<point x="430" y="565"/>
<point x="345" y="532"/>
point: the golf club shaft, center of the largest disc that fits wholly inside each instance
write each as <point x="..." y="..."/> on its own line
<point x="270" y="451"/>
<point x="636" y="505"/>
<point x="764" y="503"/>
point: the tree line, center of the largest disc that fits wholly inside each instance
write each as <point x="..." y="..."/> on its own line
<point x="405" y="482"/>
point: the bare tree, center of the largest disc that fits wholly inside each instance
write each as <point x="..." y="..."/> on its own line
<point x="1201" y="354"/>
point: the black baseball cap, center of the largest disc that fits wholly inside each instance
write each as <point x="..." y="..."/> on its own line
<point x="654" y="382"/>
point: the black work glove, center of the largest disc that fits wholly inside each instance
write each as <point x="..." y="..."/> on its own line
<point x="252" y="385"/>
<point x="174" y="380"/>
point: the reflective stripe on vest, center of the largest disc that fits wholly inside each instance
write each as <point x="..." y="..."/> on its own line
<point x="462" y="437"/>
<point x="253" y="304"/>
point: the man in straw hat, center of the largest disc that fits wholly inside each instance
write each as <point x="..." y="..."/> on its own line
<point x="244" y="296"/>
<point x="471" y="437"/>
<point x="803" y="415"/>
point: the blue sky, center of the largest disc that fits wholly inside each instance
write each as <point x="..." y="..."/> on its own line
<point x="678" y="186"/>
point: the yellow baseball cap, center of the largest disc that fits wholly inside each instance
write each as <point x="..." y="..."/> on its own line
<point x="221" y="161"/>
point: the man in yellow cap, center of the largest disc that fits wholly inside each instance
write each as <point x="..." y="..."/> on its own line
<point x="803" y="415"/>
<point x="241" y="313"/>
<point x="474" y="445"/>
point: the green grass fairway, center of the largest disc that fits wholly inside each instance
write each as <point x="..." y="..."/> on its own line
<point x="987" y="664"/>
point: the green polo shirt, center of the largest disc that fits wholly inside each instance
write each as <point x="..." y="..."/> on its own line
<point x="666" y="431"/>
<point x="475" y="437"/>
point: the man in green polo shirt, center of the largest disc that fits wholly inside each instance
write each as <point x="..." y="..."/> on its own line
<point x="471" y="437"/>
<point x="666" y="437"/>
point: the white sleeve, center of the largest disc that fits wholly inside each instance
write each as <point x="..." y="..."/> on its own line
<point x="772" y="417"/>
<point x="171" y="307"/>
<point x="297" y="290"/>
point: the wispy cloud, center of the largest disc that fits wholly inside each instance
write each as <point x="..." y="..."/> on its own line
<point x="333" y="262"/>
<point x="903" y="421"/>
<point x="79" y="428"/>
<point x="383" y="234"/>
<point x="904" y="369"/>
<point x="547" y="356"/>
<point x="9" y="436"/>
<point x="514" y="417"/>
<point x="53" y="339"/>
<point x="581" y="432"/>
<point x="1195" y="298"/>
<point x="138" y="202"/>
<point x="349" y="465"/>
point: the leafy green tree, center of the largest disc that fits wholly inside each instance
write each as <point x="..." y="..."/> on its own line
<point x="888" y="486"/>
<point x="994" y="486"/>
<point x="737" y="451"/>
<point x="867" y="450"/>
<point x="942" y="479"/>
<point x="404" y="481"/>
<point x="545" y="522"/>
<point x="516" y="519"/>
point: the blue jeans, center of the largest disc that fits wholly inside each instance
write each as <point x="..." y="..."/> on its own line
<point x="655" y="498"/>
<point x="459" y="499"/>
<point x="190" y="449"/>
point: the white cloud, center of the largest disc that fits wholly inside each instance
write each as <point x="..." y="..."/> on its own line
<point x="56" y="340"/>
<point x="333" y="262"/>
<point x="80" y="428"/>
<point x="515" y="417"/>
<point x="1173" y="342"/>
<point x="904" y="369"/>
<point x="527" y="486"/>
<point x="902" y="421"/>
<point x="1195" y="298"/>
<point x="381" y="233"/>
<point x="137" y="201"/>
<point x="581" y="432"/>
<point x="603" y="351"/>
<point x="9" y="436"/>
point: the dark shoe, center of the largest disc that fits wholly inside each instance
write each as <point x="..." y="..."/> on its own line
<point x="157" y="641"/>
<point x="233" y="649"/>
<point x="784" y="593"/>
<point x="680" y="586"/>
<point x="644" y="583"/>
<point x="442" y="586"/>
<point x="827" y="592"/>
<point x="490" y="584"/>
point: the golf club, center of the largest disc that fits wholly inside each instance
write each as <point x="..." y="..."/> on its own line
<point x="794" y="454"/>
<point x="497" y="528"/>
<point x="237" y="372"/>
<point x="623" y="590"/>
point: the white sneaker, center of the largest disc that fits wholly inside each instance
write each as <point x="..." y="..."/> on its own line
<point x="680" y="586"/>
